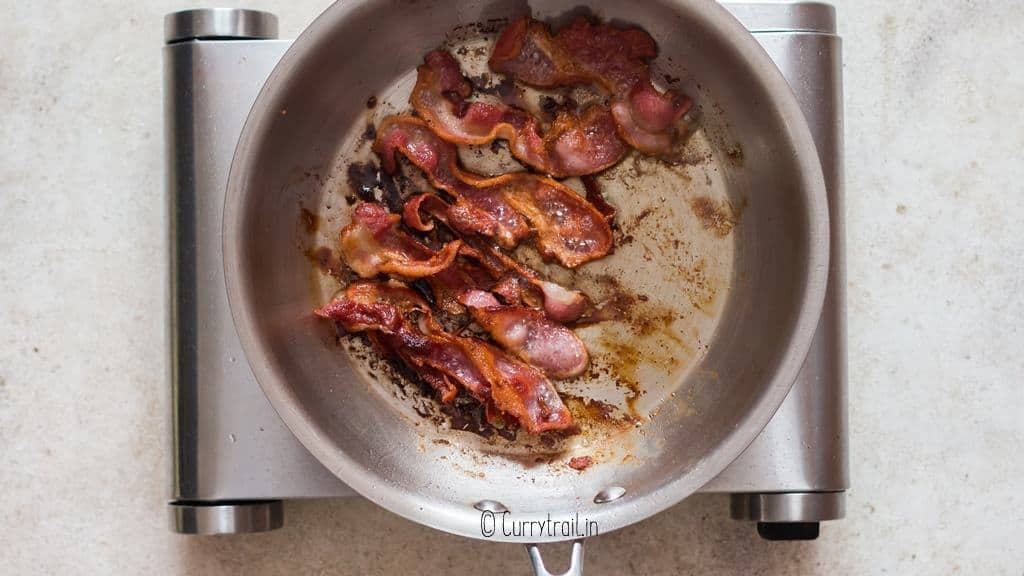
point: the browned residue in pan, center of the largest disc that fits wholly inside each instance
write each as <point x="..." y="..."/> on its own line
<point x="328" y="263"/>
<point x="735" y="154"/>
<point x="310" y="220"/>
<point x="699" y="290"/>
<point x="624" y="366"/>
<point x="581" y="463"/>
<point x="598" y="413"/>
<point x="716" y="217"/>
<point x="653" y="343"/>
<point x="646" y="337"/>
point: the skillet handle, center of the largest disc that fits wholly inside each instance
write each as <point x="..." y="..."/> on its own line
<point x="575" y="561"/>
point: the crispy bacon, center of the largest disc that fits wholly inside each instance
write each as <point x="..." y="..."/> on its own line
<point x="378" y="308"/>
<point x="476" y="210"/>
<point x="427" y="202"/>
<point x="574" y="145"/>
<point x="437" y="380"/>
<point x="390" y="346"/>
<point x="523" y="392"/>
<point x="497" y="380"/>
<point x="511" y="280"/>
<point x="529" y="334"/>
<point x="448" y="285"/>
<point x="560" y="303"/>
<point x="372" y="244"/>
<point x="568" y="228"/>
<point x="587" y="53"/>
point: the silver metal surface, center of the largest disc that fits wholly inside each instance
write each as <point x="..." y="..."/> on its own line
<point x="609" y="494"/>
<point x="789" y="507"/>
<point x="575" y="561"/>
<point x="758" y="17"/>
<point x="234" y="518"/>
<point x="219" y="24"/>
<point x="228" y="442"/>
<point x="300" y="122"/>
<point x="490" y="506"/>
<point x="804" y="447"/>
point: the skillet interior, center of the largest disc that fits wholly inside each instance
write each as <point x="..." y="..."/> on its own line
<point x="713" y="349"/>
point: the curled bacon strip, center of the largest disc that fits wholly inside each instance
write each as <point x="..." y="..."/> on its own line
<point x="613" y="58"/>
<point x="574" y="145"/>
<point x="465" y="274"/>
<point x="380" y="309"/>
<point x="560" y="304"/>
<point x="529" y="334"/>
<point x="372" y="244"/>
<point x="432" y="204"/>
<point x="486" y="373"/>
<point x="476" y="210"/>
<point x="568" y="228"/>
<point x="510" y="279"/>
<point x="377" y="304"/>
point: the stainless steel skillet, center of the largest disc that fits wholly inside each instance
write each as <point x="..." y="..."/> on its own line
<point x="723" y="253"/>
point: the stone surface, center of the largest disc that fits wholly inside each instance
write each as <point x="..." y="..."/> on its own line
<point x="935" y="204"/>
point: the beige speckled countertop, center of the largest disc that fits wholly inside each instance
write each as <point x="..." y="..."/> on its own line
<point x="935" y="131"/>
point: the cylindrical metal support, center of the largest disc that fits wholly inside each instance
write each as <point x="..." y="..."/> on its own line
<point x="814" y="17"/>
<point x="219" y="24"/>
<point x="789" y="506"/>
<point x="226" y="518"/>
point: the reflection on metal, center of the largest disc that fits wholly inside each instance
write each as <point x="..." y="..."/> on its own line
<point x="219" y="24"/>
<point x="575" y="561"/>
<point x="226" y="518"/>
<point x="789" y="507"/>
<point x="609" y="494"/>
<point x="490" y="506"/>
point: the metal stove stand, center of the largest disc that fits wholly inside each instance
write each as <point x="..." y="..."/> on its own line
<point x="234" y="460"/>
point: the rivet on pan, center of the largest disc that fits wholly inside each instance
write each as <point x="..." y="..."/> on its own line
<point x="609" y="494"/>
<point x="490" y="506"/>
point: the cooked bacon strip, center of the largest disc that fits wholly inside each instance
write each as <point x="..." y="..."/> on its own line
<point x="439" y="381"/>
<point x="390" y="292"/>
<point x="523" y="392"/>
<point x="448" y="285"/>
<point x="497" y="380"/>
<point x="379" y="308"/>
<point x="560" y="303"/>
<point x="476" y="210"/>
<point x="569" y="229"/>
<point x="574" y="144"/>
<point x="391" y="346"/>
<point x="372" y="244"/>
<point x="427" y="202"/>
<point x="529" y="334"/>
<point x="511" y="279"/>
<point x="586" y="53"/>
